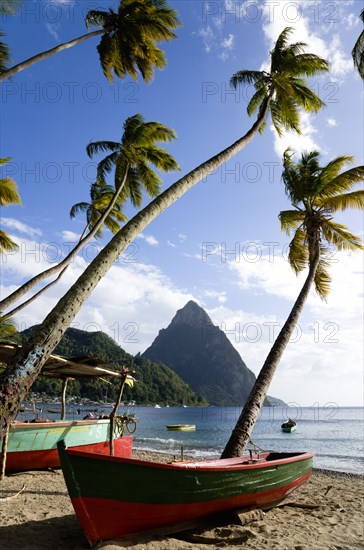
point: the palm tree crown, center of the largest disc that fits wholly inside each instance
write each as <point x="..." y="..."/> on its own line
<point x="101" y="195"/>
<point x="128" y="39"/>
<point x="132" y="157"/>
<point x="284" y="86"/>
<point x="316" y="193"/>
<point x="358" y="50"/>
<point x="129" y="43"/>
<point x="8" y="195"/>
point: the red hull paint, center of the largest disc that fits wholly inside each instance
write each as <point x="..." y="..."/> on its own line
<point x="101" y="519"/>
<point x="49" y="458"/>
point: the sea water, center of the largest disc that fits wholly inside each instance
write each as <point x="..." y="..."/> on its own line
<point x="335" y="434"/>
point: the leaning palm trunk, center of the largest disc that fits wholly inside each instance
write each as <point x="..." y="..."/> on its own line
<point x="26" y="365"/>
<point x="241" y="433"/>
<point x="48" y="53"/>
<point x="21" y="291"/>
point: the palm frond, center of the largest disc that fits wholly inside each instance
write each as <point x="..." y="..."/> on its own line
<point x="106" y="165"/>
<point x="339" y="235"/>
<point x="5" y="57"/>
<point x="322" y="281"/>
<point x="6" y="243"/>
<point x="345" y="201"/>
<point x="129" y="45"/>
<point x="9" y="7"/>
<point x="9" y="192"/>
<point x="298" y="255"/>
<point x="316" y="193"/>
<point x="291" y="220"/>
<point x="358" y="50"/>
<point x="97" y="18"/>
<point x="96" y="147"/>
<point x="7" y="327"/>
<point x="331" y="186"/>
<point x="256" y="101"/>
<point x="77" y="208"/>
<point x="245" y="77"/>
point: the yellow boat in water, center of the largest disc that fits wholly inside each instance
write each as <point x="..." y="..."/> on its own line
<point x="181" y="427"/>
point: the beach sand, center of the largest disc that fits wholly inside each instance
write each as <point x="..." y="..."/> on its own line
<point x="324" y="514"/>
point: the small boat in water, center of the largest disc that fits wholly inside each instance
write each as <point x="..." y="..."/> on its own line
<point x="289" y="426"/>
<point x="181" y="427"/>
<point x="115" y="497"/>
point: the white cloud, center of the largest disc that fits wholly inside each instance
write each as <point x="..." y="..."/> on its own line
<point x="351" y="20"/>
<point x="70" y="236"/>
<point x="21" y="227"/>
<point x="227" y="46"/>
<point x="331" y="122"/>
<point x="130" y="304"/>
<point x="208" y="38"/>
<point x="213" y="39"/>
<point x="298" y="142"/>
<point x="219" y="296"/>
<point x="52" y="29"/>
<point x="171" y="244"/>
<point x="149" y="239"/>
<point x="341" y="64"/>
<point x="326" y="342"/>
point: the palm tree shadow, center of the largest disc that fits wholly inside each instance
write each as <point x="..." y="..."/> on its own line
<point x="51" y="533"/>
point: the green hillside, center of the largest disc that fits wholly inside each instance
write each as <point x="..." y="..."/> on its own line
<point x="156" y="383"/>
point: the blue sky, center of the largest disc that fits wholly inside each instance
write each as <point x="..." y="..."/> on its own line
<point x="221" y="243"/>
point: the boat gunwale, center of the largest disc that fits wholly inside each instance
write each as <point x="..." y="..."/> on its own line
<point x="57" y="423"/>
<point x="217" y="465"/>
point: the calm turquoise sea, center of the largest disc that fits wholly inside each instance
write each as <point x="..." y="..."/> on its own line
<point x="335" y="434"/>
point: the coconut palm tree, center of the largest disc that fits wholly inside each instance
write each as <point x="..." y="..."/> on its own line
<point x="284" y="57"/>
<point x="358" y="50"/>
<point x="101" y="196"/>
<point x="129" y="38"/>
<point x="316" y="194"/>
<point x="282" y="91"/>
<point x="8" y="195"/>
<point x="132" y="158"/>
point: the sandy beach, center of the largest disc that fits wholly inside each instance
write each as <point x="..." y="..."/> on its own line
<point x="324" y="514"/>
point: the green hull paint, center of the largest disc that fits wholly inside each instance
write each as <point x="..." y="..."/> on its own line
<point x="41" y="436"/>
<point x="140" y="482"/>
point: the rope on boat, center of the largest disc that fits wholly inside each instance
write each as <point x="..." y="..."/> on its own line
<point x="256" y="447"/>
<point x="122" y="422"/>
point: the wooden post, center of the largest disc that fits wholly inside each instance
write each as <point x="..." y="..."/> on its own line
<point x="64" y="388"/>
<point x="3" y="453"/>
<point x="114" y="411"/>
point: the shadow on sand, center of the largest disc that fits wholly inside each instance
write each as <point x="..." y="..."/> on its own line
<point x="48" y="534"/>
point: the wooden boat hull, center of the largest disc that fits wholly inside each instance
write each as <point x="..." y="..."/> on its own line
<point x="34" y="446"/>
<point x="115" y="497"/>
<point x="289" y="429"/>
<point x="181" y="427"/>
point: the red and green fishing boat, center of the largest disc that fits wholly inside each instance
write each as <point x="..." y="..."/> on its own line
<point x="32" y="445"/>
<point x="115" y="497"/>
